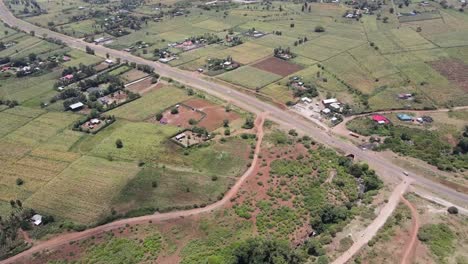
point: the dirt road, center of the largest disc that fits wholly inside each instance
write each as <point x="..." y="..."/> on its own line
<point x="408" y="255"/>
<point x="378" y="222"/>
<point x="60" y="240"/>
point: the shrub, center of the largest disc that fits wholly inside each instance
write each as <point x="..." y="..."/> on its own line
<point x="452" y="210"/>
<point x="174" y="111"/>
<point x="319" y="29"/>
<point x="19" y="181"/>
<point x="119" y="143"/>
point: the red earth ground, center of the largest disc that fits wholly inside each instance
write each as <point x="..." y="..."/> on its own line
<point x="277" y="66"/>
<point x="182" y="118"/>
<point x="215" y="114"/>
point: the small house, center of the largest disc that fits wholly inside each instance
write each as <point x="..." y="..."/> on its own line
<point x="36" y="219"/>
<point x="180" y="136"/>
<point x="109" y="61"/>
<point x="335" y="106"/>
<point x="306" y="100"/>
<point x="95" y="121"/>
<point x="404" y="117"/>
<point x="76" y="106"/>
<point x="329" y="101"/>
<point x="326" y="111"/>
<point x="380" y="119"/>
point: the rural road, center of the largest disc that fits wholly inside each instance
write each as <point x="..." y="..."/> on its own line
<point x="408" y="255"/>
<point x="365" y="236"/>
<point x="60" y="240"/>
<point x="390" y="172"/>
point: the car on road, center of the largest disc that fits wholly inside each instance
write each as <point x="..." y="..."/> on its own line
<point x="405" y="173"/>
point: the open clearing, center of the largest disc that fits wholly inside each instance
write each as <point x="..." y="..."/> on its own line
<point x="277" y="66"/>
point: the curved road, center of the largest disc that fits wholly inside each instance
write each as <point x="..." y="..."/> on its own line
<point x="390" y="172"/>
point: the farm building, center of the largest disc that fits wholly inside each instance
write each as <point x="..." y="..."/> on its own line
<point x="329" y="101"/>
<point x="380" y="119"/>
<point x="180" y="136"/>
<point x="404" y="117"/>
<point x="76" y="106"/>
<point x="306" y="100"/>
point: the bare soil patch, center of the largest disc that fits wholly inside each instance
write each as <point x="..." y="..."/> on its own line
<point x="143" y="86"/>
<point x="215" y="114"/>
<point x="277" y="66"/>
<point x="454" y="70"/>
<point x="133" y="75"/>
<point x="182" y="118"/>
<point x="101" y="66"/>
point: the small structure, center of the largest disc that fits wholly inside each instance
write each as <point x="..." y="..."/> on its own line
<point x="329" y="101"/>
<point x="109" y="61"/>
<point x="180" y="136"/>
<point x="306" y="100"/>
<point x="405" y="96"/>
<point x="380" y="119"/>
<point x="67" y="77"/>
<point x="76" y="106"/>
<point x="66" y="58"/>
<point x="36" y="219"/>
<point x="404" y="117"/>
<point x="326" y="111"/>
<point x="95" y="121"/>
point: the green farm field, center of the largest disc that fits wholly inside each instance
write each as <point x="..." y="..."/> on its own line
<point x="250" y="77"/>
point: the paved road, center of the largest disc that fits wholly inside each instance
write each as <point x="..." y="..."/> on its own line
<point x="385" y="168"/>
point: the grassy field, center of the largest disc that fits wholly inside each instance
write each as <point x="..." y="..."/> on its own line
<point x="151" y="104"/>
<point x="249" y="77"/>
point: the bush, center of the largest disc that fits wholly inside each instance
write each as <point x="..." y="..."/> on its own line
<point x="159" y="116"/>
<point x="174" y="111"/>
<point x="452" y="210"/>
<point x="440" y="239"/>
<point x="119" y="143"/>
<point x="19" y="181"/>
<point x="319" y="29"/>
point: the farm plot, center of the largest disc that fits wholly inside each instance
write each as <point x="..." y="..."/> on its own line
<point x="373" y="61"/>
<point x="246" y="53"/>
<point x="150" y="104"/>
<point x="78" y="57"/>
<point x="184" y="115"/>
<point x="83" y="192"/>
<point x="41" y="129"/>
<point x="250" y="77"/>
<point x="11" y="122"/>
<point x="28" y="87"/>
<point x="315" y="52"/>
<point x="213" y="25"/>
<point x="347" y="69"/>
<point x="455" y="71"/>
<point x="409" y="39"/>
<point x="133" y="75"/>
<point x="215" y="114"/>
<point x="273" y="41"/>
<point x="141" y="141"/>
<point x="436" y="87"/>
<point x="277" y="66"/>
<point x="205" y="172"/>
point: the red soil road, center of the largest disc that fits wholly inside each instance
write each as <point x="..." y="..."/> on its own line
<point x="277" y="66"/>
<point x="61" y="240"/>
<point x="215" y="114"/>
<point x="411" y="246"/>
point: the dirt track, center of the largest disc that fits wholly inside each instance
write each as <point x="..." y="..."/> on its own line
<point x="374" y="227"/>
<point x="60" y="240"/>
<point x="410" y="249"/>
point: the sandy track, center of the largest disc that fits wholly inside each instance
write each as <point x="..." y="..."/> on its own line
<point x="378" y="222"/>
<point x="60" y="240"/>
<point x="411" y="248"/>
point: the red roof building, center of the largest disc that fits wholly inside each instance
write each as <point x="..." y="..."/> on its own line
<point x="380" y="119"/>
